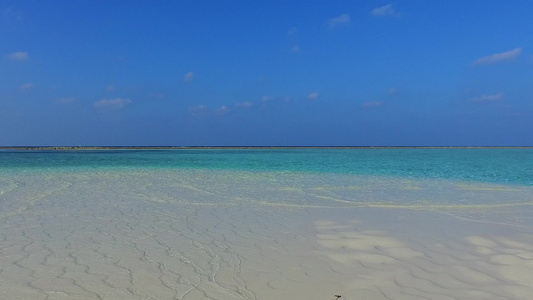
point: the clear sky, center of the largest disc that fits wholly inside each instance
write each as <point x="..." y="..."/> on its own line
<point x="303" y="73"/>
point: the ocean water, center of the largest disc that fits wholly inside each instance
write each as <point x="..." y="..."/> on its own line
<point x="510" y="165"/>
<point x="266" y="224"/>
<point x="291" y="177"/>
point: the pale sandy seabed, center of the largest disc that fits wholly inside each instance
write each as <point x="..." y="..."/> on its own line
<point x="237" y="235"/>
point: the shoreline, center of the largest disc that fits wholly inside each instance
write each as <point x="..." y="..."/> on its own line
<point x="207" y="235"/>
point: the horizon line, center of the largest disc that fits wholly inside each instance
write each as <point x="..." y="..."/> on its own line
<point x="246" y="147"/>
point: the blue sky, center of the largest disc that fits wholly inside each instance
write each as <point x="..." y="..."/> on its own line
<point x="303" y="73"/>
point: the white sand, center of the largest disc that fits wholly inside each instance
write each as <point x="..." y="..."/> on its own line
<point x="135" y="236"/>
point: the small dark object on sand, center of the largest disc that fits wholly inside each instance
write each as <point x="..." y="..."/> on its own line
<point x="337" y="296"/>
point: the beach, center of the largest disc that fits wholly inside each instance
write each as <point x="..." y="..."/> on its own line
<point x="266" y="150"/>
<point x="152" y="233"/>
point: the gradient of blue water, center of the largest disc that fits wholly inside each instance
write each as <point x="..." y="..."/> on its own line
<point x="510" y="166"/>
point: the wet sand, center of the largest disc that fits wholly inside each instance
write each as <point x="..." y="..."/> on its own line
<point x="201" y="235"/>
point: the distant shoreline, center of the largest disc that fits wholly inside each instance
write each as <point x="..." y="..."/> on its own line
<point x="82" y="148"/>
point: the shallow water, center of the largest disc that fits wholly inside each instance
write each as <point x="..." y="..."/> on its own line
<point x="511" y="165"/>
<point x="248" y="225"/>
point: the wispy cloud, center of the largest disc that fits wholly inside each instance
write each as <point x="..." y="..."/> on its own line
<point x="197" y="110"/>
<point x="116" y="103"/>
<point x="340" y="20"/>
<point x="372" y="104"/>
<point x="267" y="98"/>
<point x="499" y="57"/>
<point x="313" y="96"/>
<point x="189" y="76"/>
<point x="292" y="32"/>
<point x="18" y="56"/>
<point x="110" y="88"/>
<point x="26" y="86"/>
<point x="392" y="91"/>
<point x="292" y="37"/>
<point x="488" y="98"/>
<point x="245" y="104"/>
<point x="384" y="11"/>
<point x="223" y="110"/>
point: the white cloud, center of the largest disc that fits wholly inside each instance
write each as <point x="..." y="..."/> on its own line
<point x="223" y="110"/>
<point x="189" y="76"/>
<point x="499" y="57"/>
<point x="245" y="104"/>
<point x="116" y="103"/>
<point x="26" y="87"/>
<point x="18" y="56"/>
<point x="266" y="98"/>
<point x="385" y="10"/>
<point x="372" y="104"/>
<point x="340" y="20"/>
<point x="488" y="98"/>
<point x="313" y="96"/>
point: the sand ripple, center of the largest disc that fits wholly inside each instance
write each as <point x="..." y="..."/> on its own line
<point x="156" y="235"/>
<point x="387" y="267"/>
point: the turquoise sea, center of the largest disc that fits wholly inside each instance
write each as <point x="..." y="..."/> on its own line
<point x="508" y="165"/>
<point x="323" y="177"/>
<point x="298" y="223"/>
